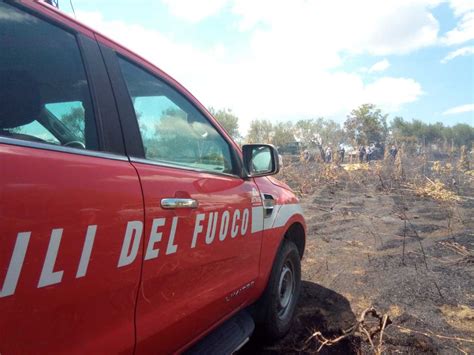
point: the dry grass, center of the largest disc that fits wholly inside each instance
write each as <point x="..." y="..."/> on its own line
<point x="395" y="311"/>
<point x="436" y="180"/>
<point x="355" y="167"/>
<point x="460" y="317"/>
<point x="436" y="190"/>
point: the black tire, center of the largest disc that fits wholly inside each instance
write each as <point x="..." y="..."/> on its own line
<point x="276" y="308"/>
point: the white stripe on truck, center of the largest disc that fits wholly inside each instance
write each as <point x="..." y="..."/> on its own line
<point x="279" y="217"/>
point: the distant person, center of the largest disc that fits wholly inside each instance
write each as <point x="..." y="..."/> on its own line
<point x="361" y="153"/>
<point x="370" y="152"/>
<point x="420" y="150"/>
<point x="306" y="155"/>
<point x="342" y="151"/>
<point x="379" y="150"/>
<point x="322" y="153"/>
<point x="328" y="155"/>
<point x="393" y="152"/>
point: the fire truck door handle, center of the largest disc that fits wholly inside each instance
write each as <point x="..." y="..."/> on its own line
<point x="173" y="203"/>
<point x="268" y="204"/>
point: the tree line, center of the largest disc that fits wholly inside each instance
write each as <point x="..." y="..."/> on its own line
<point x="364" y="125"/>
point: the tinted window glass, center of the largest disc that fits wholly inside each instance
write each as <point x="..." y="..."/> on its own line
<point x="172" y="129"/>
<point x="44" y="94"/>
<point x="37" y="130"/>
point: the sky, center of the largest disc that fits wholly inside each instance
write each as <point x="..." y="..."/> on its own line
<point x="295" y="59"/>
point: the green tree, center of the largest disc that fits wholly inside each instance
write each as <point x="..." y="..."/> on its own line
<point x="448" y="136"/>
<point x="366" y="124"/>
<point x="409" y="132"/>
<point x="429" y="133"/>
<point x="463" y="134"/>
<point x="400" y="128"/>
<point x="283" y="133"/>
<point x="331" y="133"/>
<point x="228" y="120"/>
<point x="260" y="131"/>
<point x="433" y="133"/>
<point x="308" y="131"/>
<point x="321" y="131"/>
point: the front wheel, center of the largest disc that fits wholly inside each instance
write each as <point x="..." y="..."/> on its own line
<point x="278" y="304"/>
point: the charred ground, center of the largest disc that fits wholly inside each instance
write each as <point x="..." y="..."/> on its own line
<point x="374" y="239"/>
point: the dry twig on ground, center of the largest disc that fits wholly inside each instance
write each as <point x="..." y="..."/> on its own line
<point x="467" y="256"/>
<point x="430" y="334"/>
<point x="359" y="327"/>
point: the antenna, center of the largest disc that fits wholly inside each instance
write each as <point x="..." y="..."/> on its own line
<point x="73" y="11"/>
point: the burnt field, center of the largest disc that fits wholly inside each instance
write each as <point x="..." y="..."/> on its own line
<point x="397" y="236"/>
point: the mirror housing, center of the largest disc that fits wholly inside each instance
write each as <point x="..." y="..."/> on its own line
<point x="260" y="160"/>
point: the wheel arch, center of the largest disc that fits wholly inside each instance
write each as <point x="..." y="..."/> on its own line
<point x="296" y="234"/>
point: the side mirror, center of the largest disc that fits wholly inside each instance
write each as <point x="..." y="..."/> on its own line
<point x="260" y="159"/>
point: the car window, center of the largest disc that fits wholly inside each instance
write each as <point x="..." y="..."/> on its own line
<point x="35" y="129"/>
<point x="71" y="114"/>
<point x="44" y="91"/>
<point x="173" y="131"/>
